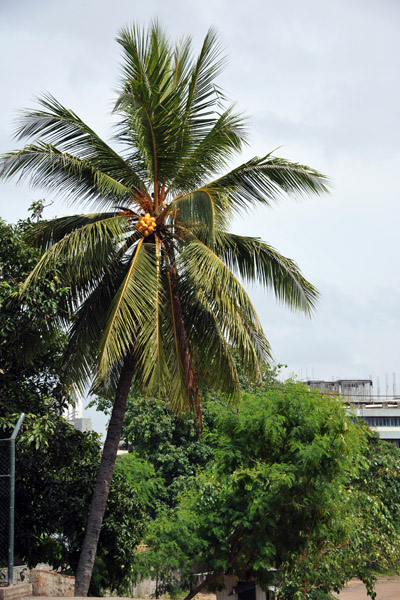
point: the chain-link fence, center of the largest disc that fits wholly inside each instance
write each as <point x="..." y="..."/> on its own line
<point x="7" y="502"/>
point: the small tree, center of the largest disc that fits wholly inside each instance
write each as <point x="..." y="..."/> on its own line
<point x="363" y="535"/>
<point x="281" y="470"/>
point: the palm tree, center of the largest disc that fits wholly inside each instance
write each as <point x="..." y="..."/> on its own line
<point x="152" y="268"/>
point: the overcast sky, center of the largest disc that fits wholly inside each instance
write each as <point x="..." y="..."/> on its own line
<point x="317" y="78"/>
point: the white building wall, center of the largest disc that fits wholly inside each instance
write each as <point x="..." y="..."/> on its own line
<point x="75" y="409"/>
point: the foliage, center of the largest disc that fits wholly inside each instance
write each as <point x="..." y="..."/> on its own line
<point x="364" y="532"/>
<point x="297" y="494"/>
<point x="31" y="346"/>
<point x="281" y="463"/>
<point x="124" y="522"/>
<point x="56" y="468"/>
<point x="170" y="443"/>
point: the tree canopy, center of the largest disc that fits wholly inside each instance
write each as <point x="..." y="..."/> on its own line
<point x="31" y="345"/>
<point x="295" y="496"/>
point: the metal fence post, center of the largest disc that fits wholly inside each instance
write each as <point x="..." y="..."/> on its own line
<point x="11" y="518"/>
<point x="12" y="500"/>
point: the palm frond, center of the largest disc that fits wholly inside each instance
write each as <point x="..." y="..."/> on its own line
<point x="195" y="212"/>
<point x="150" y="100"/>
<point x="132" y="310"/>
<point x="179" y="393"/>
<point x="263" y="180"/>
<point x="258" y="262"/>
<point x="44" y="234"/>
<point x="211" y="352"/>
<point x="90" y="319"/>
<point x="212" y="151"/>
<point x="229" y="301"/>
<point x="83" y="254"/>
<point x="155" y="376"/>
<point x="182" y="61"/>
<point x="202" y="90"/>
<point x="61" y="128"/>
<point x="170" y="105"/>
<point x="75" y="179"/>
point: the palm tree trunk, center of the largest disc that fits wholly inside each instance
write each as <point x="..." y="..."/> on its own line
<point x="99" y="500"/>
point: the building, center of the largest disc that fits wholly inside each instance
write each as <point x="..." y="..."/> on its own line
<point x="74" y="415"/>
<point x="380" y="412"/>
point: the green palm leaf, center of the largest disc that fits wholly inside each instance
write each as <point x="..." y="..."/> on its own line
<point x="212" y="152"/>
<point x="195" y="212"/>
<point x="155" y="344"/>
<point x="84" y="253"/>
<point x="62" y="129"/>
<point x="211" y="351"/>
<point x="229" y="301"/>
<point x="266" y="179"/>
<point x="131" y="312"/>
<point x="75" y="179"/>
<point x="258" y="262"/>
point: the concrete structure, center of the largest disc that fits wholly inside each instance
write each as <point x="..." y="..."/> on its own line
<point x="74" y="415"/>
<point x="81" y="424"/>
<point x="380" y="412"/>
<point x="20" y="575"/>
<point x="144" y="588"/>
<point x="15" y="592"/>
<point x="38" y="582"/>
<point x="351" y="390"/>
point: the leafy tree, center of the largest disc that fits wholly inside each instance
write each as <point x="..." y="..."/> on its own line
<point x="56" y="468"/>
<point x="364" y="532"/>
<point x="151" y="270"/>
<point x="297" y="495"/>
<point x="172" y="444"/>
<point x="31" y="346"/>
<point x="282" y="464"/>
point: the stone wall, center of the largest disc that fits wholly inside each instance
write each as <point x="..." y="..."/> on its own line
<point x="144" y="588"/>
<point x="49" y="583"/>
<point x="20" y="575"/>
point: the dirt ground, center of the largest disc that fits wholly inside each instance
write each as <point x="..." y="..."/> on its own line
<point x="387" y="589"/>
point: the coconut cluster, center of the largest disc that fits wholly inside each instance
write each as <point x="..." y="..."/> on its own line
<point x="146" y="224"/>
